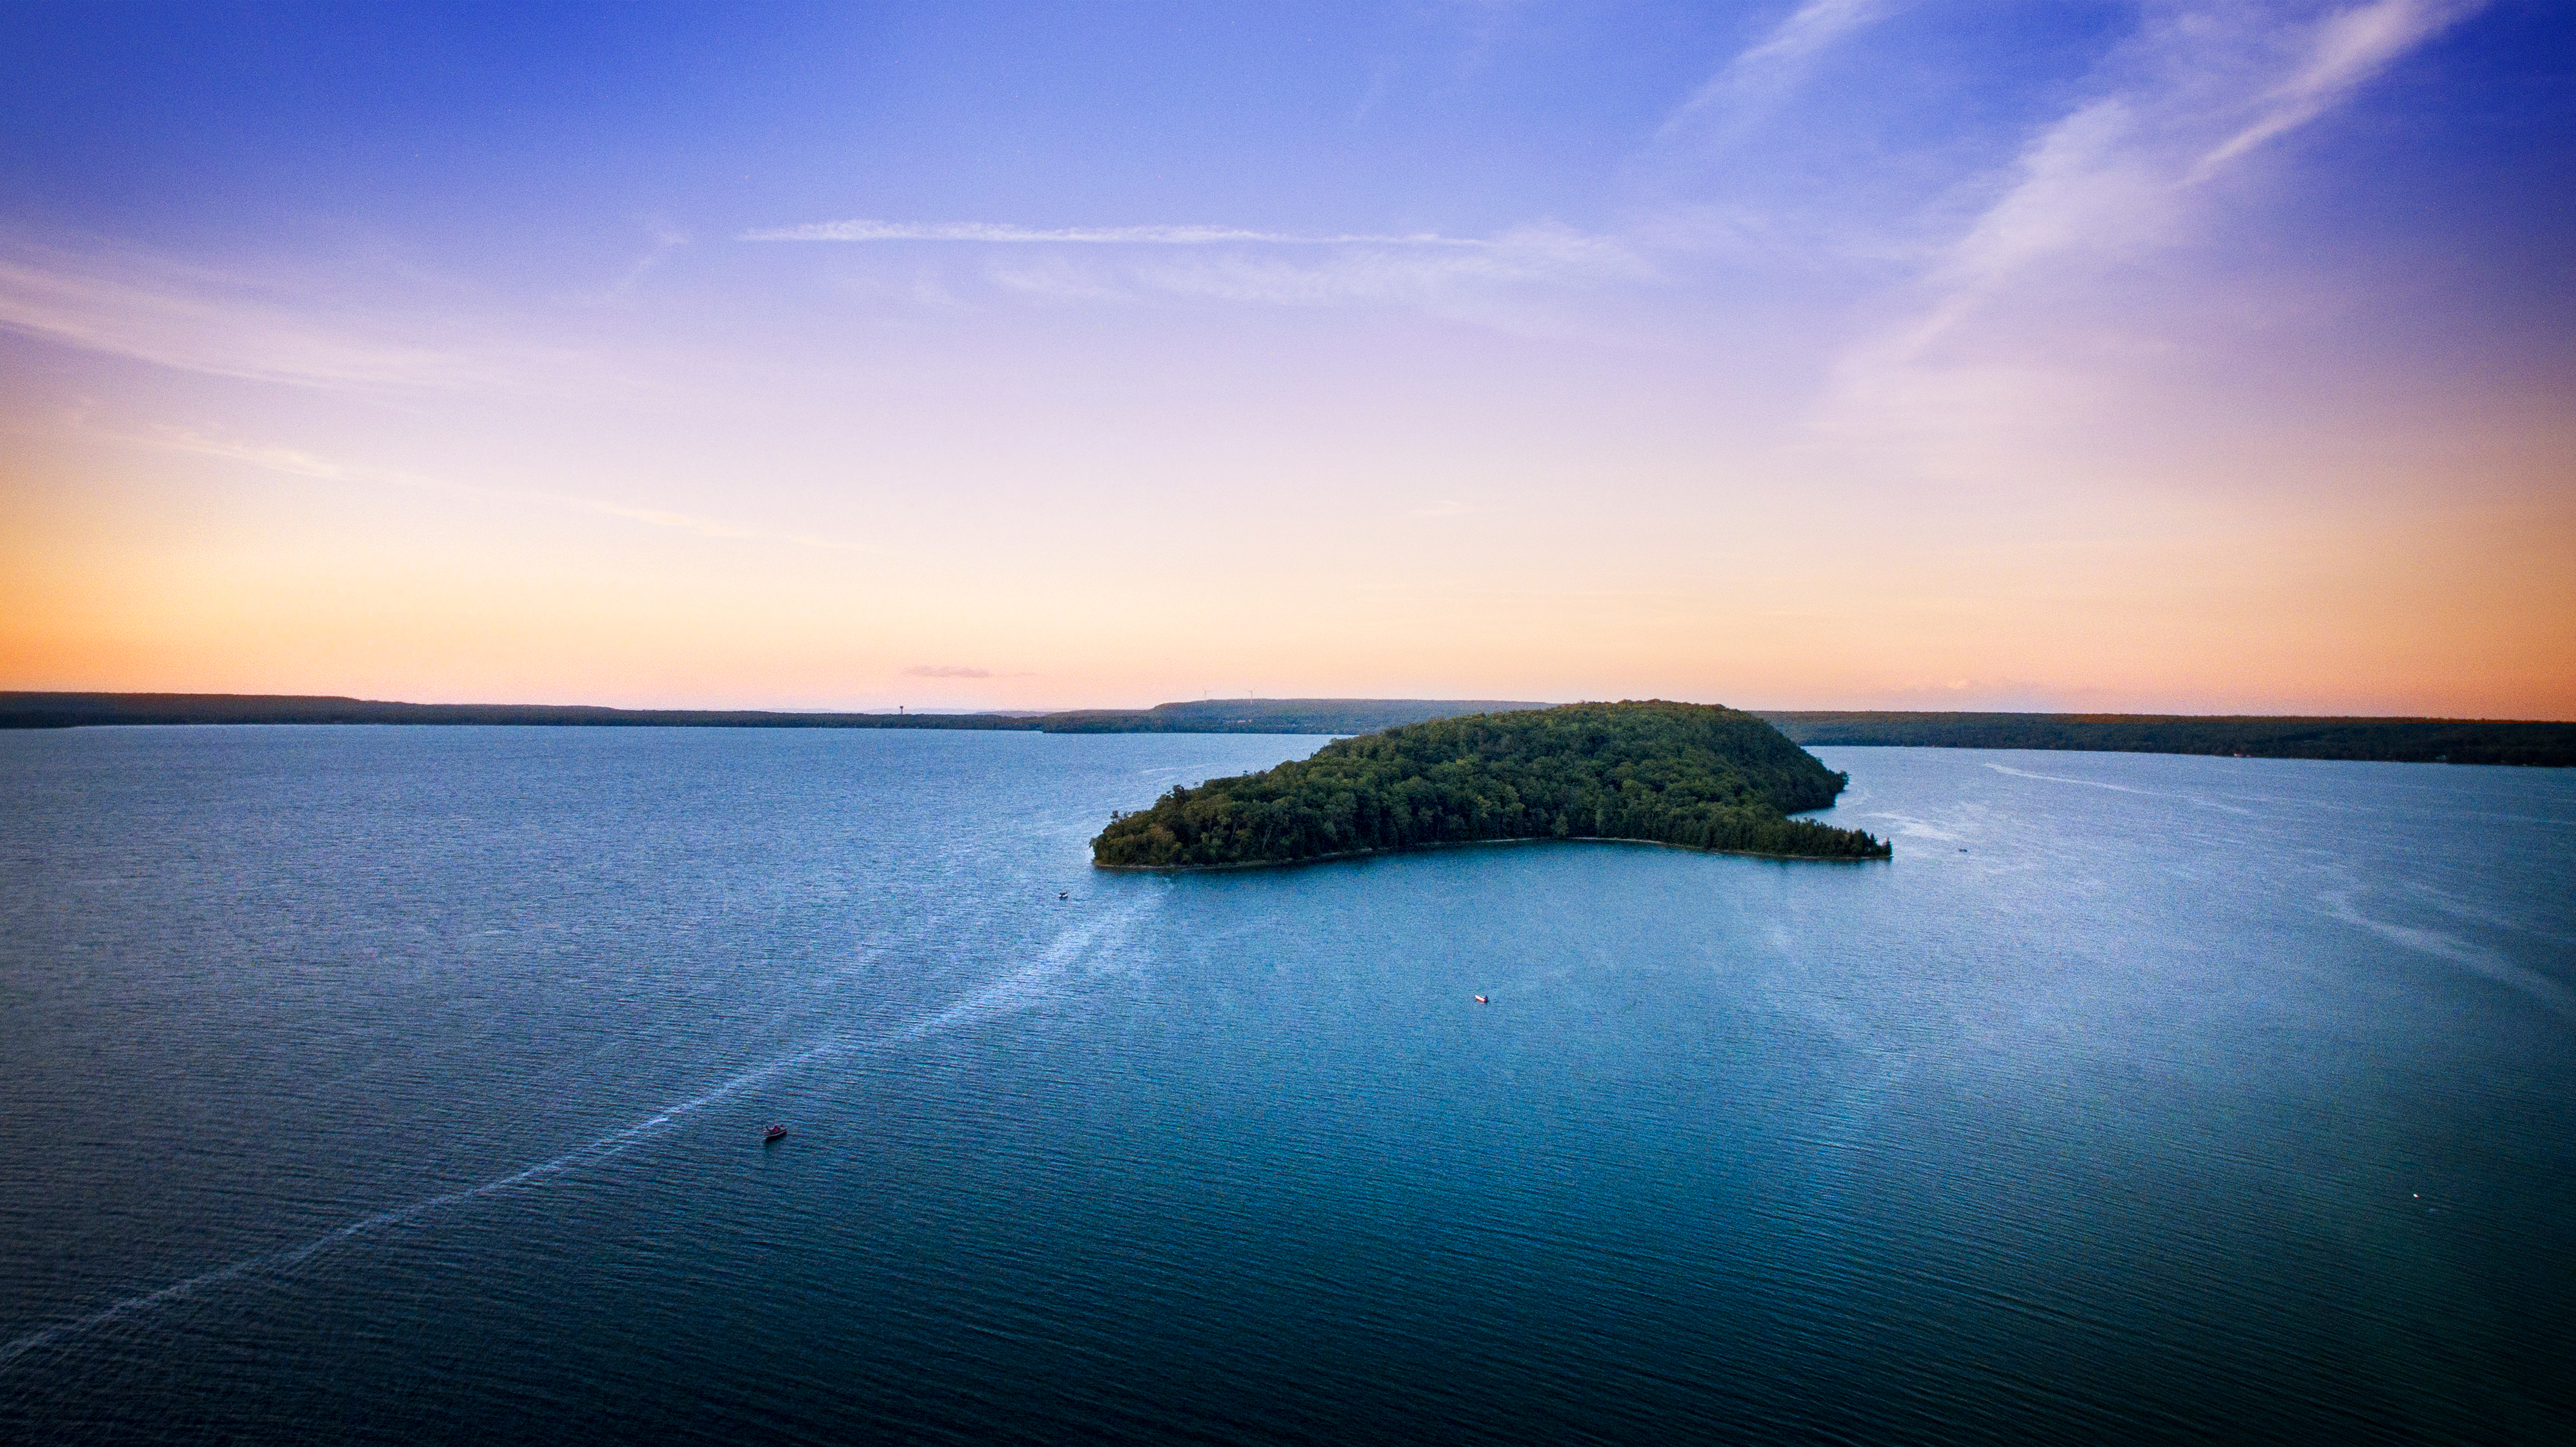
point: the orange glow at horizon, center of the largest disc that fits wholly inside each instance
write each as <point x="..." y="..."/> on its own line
<point x="132" y="581"/>
<point x="2187" y="369"/>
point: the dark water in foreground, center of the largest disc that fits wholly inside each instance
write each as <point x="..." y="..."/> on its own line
<point x="387" y="1085"/>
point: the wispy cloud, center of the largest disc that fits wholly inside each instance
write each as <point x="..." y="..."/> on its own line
<point x="1461" y="277"/>
<point x="2121" y="175"/>
<point x="1807" y="30"/>
<point x="164" y="319"/>
<point x="1455" y="282"/>
<point x="1001" y="234"/>
<point x="2349" y="48"/>
<point x="126" y="303"/>
<point x="295" y="463"/>
<point x="937" y="670"/>
<point x="664" y="239"/>
<point x="1765" y="71"/>
<point x="1060" y="279"/>
<point x="2114" y="176"/>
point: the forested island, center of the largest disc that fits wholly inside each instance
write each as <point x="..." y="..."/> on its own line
<point x="1684" y="774"/>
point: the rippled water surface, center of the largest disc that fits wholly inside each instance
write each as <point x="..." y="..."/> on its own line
<point x="389" y="1085"/>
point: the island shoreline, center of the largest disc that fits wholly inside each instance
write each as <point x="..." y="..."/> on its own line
<point x="1480" y="844"/>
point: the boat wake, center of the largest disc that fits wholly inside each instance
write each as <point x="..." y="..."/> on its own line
<point x="1048" y="978"/>
<point x="2195" y="800"/>
<point x="2477" y="960"/>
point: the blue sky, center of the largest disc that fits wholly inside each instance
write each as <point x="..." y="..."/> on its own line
<point x="2139" y="355"/>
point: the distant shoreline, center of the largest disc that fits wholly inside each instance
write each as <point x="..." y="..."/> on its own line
<point x="1203" y="716"/>
<point x="1470" y="844"/>
<point x="2540" y="742"/>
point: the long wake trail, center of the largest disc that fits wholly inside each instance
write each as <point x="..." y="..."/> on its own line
<point x="1040" y="980"/>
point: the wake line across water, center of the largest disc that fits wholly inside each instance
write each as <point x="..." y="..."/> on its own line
<point x="613" y="1144"/>
<point x="2557" y="997"/>
<point x="2195" y="800"/>
<point x="1016" y="991"/>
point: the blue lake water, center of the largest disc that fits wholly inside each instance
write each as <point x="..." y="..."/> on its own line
<point x="388" y="1085"/>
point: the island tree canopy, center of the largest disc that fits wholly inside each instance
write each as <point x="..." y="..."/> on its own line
<point x="1671" y="773"/>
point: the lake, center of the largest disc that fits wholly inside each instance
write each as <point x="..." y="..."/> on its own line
<point x="390" y="1084"/>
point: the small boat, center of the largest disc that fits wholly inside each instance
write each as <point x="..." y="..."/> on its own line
<point x="1481" y="1000"/>
<point x="776" y="1132"/>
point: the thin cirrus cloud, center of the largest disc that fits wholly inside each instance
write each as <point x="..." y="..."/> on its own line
<point x="2187" y="96"/>
<point x="195" y="321"/>
<point x="1000" y="234"/>
<point x="2346" y="49"/>
<point x="128" y="303"/>
<point x="1230" y="264"/>
<point x="1765" y="71"/>
<point x="941" y="670"/>
<point x="1543" y="256"/>
<point x="2124" y="173"/>
<point x="294" y="463"/>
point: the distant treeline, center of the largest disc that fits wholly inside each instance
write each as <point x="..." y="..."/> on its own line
<point x="1274" y="715"/>
<point x="1217" y="716"/>
<point x="2416" y="740"/>
<point x="1668" y="773"/>
<point x="73" y="710"/>
<point x="2399" y="740"/>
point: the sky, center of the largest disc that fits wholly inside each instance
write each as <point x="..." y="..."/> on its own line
<point x="2031" y="354"/>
